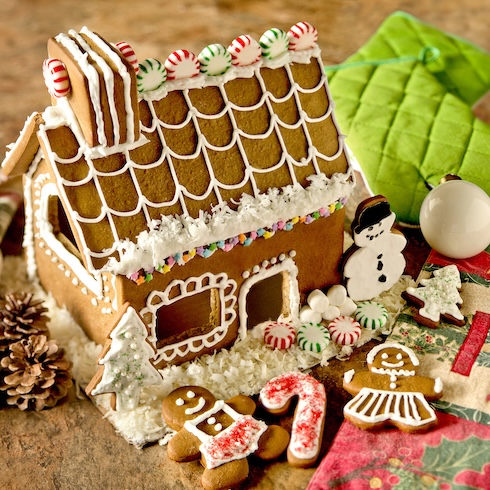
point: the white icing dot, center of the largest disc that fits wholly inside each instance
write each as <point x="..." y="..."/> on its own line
<point x="218" y="427"/>
<point x="256" y="269"/>
<point x="282" y="257"/>
<point x="133" y="345"/>
<point x="179" y="402"/>
<point x="75" y="282"/>
<point x="128" y="335"/>
<point x="399" y="356"/>
<point x="191" y="394"/>
<point x="392" y="386"/>
<point x="384" y="355"/>
<point x="54" y="260"/>
<point x="136" y="356"/>
<point x="292" y="253"/>
<point x="211" y="420"/>
<point x="67" y="273"/>
<point x="265" y="263"/>
<point x="94" y="301"/>
<point x="245" y="274"/>
<point x="274" y="260"/>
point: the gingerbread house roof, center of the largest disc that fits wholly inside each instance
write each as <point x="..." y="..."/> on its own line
<point x="196" y="151"/>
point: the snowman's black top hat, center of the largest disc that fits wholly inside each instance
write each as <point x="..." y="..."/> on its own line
<point x="370" y="212"/>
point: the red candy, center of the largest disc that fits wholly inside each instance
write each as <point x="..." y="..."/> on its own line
<point x="279" y="335"/>
<point x="344" y="330"/>
<point x="56" y="77"/>
<point x="182" y="64"/>
<point x="128" y="52"/>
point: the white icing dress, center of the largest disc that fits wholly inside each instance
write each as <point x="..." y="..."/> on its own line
<point x="371" y="406"/>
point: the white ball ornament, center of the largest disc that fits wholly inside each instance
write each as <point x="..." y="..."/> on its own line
<point x="455" y="219"/>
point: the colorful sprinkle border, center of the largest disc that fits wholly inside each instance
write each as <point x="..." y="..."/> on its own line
<point x="141" y="276"/>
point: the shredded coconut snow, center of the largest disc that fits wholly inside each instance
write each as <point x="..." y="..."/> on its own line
<point x="249" y="360"/>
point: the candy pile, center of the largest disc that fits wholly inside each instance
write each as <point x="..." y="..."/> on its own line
<point x="328" y="317"/>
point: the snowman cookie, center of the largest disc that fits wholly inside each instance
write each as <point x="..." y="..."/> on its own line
<point x="391" y="392"/>
<point x="222" y="433"/>
<point x="374" y="263"/>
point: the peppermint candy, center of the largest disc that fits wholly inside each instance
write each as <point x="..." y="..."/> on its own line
<point x="279" y="335"/>
<point x="302" y="36"/>
<point x="215" y="60"/>
<point x="56" y="77"/>
<point x="274" y="43"/>
<point x="128" y="52"/>
<point x="151" y="75"/>
<point x="313" y="337"/>
<point x="182" y="64"/>
<point x="371" y="315"/>
<point x="244" y="50"/>
<point x="344" y="330"/>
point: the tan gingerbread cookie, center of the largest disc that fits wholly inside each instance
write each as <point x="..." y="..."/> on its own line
<point x="391" y="392"/>
<point x="222" y="433"/>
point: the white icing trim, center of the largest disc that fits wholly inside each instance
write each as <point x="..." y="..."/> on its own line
<point x="94" y="283"/>
<point x="287" y="265"/>
<point x="393" y="345"/>
<point x="178" y="289"/>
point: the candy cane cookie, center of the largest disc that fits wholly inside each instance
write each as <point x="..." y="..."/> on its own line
<point x="309" y="417"/>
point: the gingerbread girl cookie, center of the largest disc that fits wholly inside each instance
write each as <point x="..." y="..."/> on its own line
<point x="222" y="433"/>
<point x="391" y="393"/>
<point x="374" y="263"/>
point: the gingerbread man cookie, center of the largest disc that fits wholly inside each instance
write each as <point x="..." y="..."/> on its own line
<point x="374" y="263"/>
<point x="391" y="392"/>
<point x="222" y="433"/>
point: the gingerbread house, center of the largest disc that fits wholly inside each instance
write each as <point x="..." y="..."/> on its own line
<point x="206" y="191"/>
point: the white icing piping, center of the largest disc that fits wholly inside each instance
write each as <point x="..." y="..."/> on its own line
<point x="123" y="72"/>
<point x="200" y="405"/>
<point x="93" y="81"/>
<point x="108" y="79"/>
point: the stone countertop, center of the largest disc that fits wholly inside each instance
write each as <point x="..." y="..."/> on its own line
<point x="72" y="446"/>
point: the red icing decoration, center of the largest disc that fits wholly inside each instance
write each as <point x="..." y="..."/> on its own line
<point x="306" y="432"/>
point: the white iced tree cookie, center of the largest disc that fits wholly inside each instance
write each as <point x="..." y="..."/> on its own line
<point x="374" y="263"/>
<point x="126" y="363"/>
<point x="437" y="297"/>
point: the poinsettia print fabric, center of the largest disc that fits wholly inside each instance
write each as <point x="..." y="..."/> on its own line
<point x="453" y="456"/>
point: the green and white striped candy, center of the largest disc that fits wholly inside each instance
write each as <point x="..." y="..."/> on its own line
<point x="313" y="337"/>
<point x="215" y="60"/>
<point x="371" y="315"/>
<point x="151" y="75"/>
<point x="274" y="43"/>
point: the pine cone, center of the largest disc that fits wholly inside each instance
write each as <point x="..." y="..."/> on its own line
<point x="21" y="316"/>
<point x="40" y="374"/>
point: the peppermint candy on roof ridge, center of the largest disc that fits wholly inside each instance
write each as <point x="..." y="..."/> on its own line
<point x="182" y="64"/>
<point x="302" y="36"/>
<point x="244" y="50"/>
<point x="56" y="77"/>
<point x="215" y="60"/>
<point x="151" y="75"/>
<point x="128" y="52"/>
<point x="274" y="43"/>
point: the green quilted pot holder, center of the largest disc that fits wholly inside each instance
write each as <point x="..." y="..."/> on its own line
<point x="404" y="101"/>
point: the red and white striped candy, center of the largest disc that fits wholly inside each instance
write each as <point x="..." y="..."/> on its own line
<point x="244" y="50"/>
<point x="128" y="52"/>
<point x="182" y="64"/>
<point x="279" y="335"/>
<point x="302" y="36"/>
<point x="344" y="330"/>
<point x="56" y="77"/>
